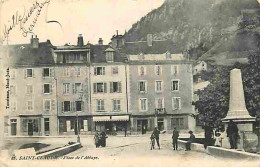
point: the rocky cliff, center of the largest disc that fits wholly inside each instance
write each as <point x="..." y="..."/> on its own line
<point x="197" y="26"/>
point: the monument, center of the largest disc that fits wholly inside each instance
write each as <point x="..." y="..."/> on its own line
<point x="237" y="112"/>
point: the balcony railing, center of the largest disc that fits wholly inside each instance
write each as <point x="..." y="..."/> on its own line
<point x="159" y="111"/>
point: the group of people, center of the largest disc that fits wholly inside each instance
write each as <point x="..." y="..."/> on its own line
<point x="175" y="136"/>
<point x="100" y="139"/>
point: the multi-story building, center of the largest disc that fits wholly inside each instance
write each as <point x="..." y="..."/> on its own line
<point x="108" y="89"/>
<point x="159" y="86"/>
<point x="32" y="90"/>
<point x="73" y="94"/>
<point x="71" y="89"/>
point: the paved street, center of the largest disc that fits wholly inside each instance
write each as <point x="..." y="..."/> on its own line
<point x="134" y="151"/>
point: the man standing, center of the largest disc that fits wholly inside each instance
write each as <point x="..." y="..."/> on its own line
<point x="175" y="135"/>
<point x="232" y="133"/>
<point x="208" y="135"/>
<point x="191" y="140"/>
<point x="156" y="134"/>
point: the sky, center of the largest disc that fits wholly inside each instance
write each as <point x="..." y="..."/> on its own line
<point x="62" y="21"/>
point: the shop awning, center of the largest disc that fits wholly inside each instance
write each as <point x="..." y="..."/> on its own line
<point x="120" y="118"/>
<point x="101" y="118"/>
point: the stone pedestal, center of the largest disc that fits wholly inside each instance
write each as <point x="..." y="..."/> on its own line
<point x="237" y="109"/>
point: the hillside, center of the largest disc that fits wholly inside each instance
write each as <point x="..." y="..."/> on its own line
<point x="197" y="26"/>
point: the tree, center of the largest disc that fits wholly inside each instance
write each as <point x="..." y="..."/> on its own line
<point x="213" y="103"/>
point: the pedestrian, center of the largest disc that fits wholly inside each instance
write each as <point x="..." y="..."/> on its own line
<point x="97" y="139"/>
<point x="156" y="134"/>
<point x="175" y="136"/>
<point x="103" y="139"/>
<point x="209" y="135"/>
<point x="232" y="134"/>
<point x="191" y="140"/>
<point x="219" y="138"/>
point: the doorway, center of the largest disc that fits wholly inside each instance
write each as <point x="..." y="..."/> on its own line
<point x="160" y="124"/>
<point x="30" y="128"/>
<point x="13" y="127"/>
<point x="142" y="126"/>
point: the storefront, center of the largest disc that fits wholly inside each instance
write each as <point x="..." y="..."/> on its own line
<point x="113" y="125"/>
<point x="70" y="125"/>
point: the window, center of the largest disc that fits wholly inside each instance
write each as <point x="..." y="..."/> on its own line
<point x="110" y="56"/>
<point x="143" y="104"/>
<point x="29" y="89"/>
<point x="178" y="123"/>
<point x="100" y="105"/>
<point x="12" y="90"/>
<point x="77" y="71"/>
<point x="100" y="87"/>
<point x="47" y="105"/>
<point x="66" y="72"/>
<point x="77" y="88"/>
<point x="78" y="105"/>
<point x="99" y="70"/>
<point x="66" y="106"/>
<point x="175" y="69"/>
<point x="159" y="103"/>
<point x="158" y="86"/>
<point x="29" y="73"/>
<point x="168" y="55"/>
<point x="158" y="70"/>
<point x="47" y="88"/>
<point x="13" y="73"/>
<point x="46" y="124"/>
<point x="13" y="106"/>
<point x="46" y="72"/>
<point x="115" y="87"/>
<point x="142" y="70"/>
<point x="114" y="70"/>
<point x="29" y="105"/>
<point x="175" y="85"/>
<point x="66" y="88"/>
<point x="176" y="103"/>
<point x="142" y="86"/>
<point x="116" y="105"/>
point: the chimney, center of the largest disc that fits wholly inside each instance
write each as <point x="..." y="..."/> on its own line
<point x="149" y="39"/>
<point x="116" y="32"/>
<point x="100" y="41"/>
<point x="80" y="40"/>
<point x="35" y="42"/>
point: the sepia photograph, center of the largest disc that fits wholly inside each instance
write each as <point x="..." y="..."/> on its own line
<point x="130" y="83"/>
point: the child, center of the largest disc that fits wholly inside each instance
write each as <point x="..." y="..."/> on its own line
<point x="219" y="138"/>
<point x="152" y="138"/>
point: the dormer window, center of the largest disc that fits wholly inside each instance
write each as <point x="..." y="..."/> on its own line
<point x="168" y="55"/>
<point x="110" y="54"/>
<point x="141" y="56"/>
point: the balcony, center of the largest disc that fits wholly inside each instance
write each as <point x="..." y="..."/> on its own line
<point x="160" y="111"/>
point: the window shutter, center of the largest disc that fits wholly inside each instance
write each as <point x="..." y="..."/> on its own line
<point x="95" y="70"/>
<point x="42" y="88"/>
<point x="52" y="105"/>
<point x="73" y="105"/>
<point x="43" y="72"/>
<point x="25" y="73"/>
<point x="95" y="87"/>
<point x="105" y="87"/>
<point x="68" y="125"/>
<point x="119" y="87"/>
<point x="62" y="106"/>
<point x="138" y="85"/>
<point x="85" y="123"/>
<point x="145" y="86"/>
<point x="52" y="72"/>
<point x="33" y="73"/>
<point x="73" y="88"/>
<point x="104" y="70"/>
<point x="111" y="87"/>
<point x="82" y="105"/>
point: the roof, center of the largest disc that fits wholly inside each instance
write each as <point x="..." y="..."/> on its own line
<point x="98" y="54"/>
<point x="26" y="55"/>
<point x="158" y="47"/>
